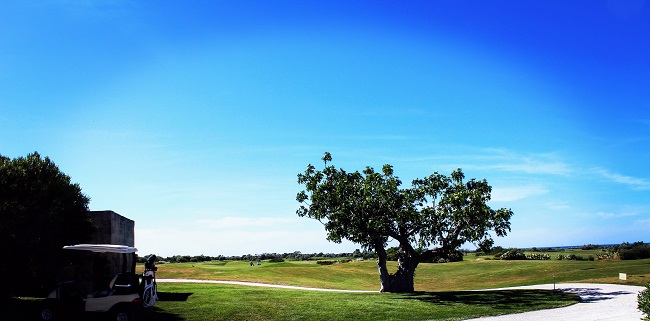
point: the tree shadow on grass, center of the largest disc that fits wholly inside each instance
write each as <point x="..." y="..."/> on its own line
<point x="171" y="296"/>
<point x="17" y="309"/>
<point x="497" y="299"/>
<point x="159" y="314"/>
<point x="28" y="309"/>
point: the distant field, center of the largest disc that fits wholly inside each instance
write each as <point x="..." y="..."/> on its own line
<point x="472" y="273"/>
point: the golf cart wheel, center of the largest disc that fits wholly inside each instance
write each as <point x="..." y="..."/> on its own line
<point x="123" y="315"/>
<point x="48" y="313"/>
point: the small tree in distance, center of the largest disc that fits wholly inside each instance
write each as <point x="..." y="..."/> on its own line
<point x="370" y="208"/>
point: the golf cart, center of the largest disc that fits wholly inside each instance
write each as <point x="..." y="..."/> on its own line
<point x="126" y="295"/>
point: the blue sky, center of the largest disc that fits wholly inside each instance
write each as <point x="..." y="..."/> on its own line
<point x="194" y="117"/>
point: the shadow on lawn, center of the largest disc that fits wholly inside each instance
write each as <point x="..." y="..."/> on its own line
<point x="171" y="296"/>
<point x="158" y="314"/>
<point x="15" y="309"/>
<point x="501" y="299"/>
<point x="28" y="309"/>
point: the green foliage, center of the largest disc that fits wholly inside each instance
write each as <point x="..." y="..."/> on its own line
<point x="40" y="212"/>
<point x="538" y="256"/>
<point x="455" y="256"/>
<point x="512" y="254"/>
<point x="497" y="250"/>
<point x="573" y="257"/>
<point x="634" y="251"/>
<point x="643" y="300"/>
<point x="330" y="262"/>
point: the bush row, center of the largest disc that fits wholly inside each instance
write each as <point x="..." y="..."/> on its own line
<point x="330" y="262"/>
<point x="517" y="254"/>
<point x="573" y="257"/>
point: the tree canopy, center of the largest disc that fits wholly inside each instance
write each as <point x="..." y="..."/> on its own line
<point x="40" y="212"/>
<point x="432" y="218"/>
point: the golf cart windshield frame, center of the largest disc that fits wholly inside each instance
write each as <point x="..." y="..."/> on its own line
<point x="102" y="248"/>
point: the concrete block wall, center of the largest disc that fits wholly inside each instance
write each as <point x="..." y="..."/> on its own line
<point x="112" y="228"/>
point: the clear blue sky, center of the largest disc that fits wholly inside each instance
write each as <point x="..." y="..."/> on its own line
<point x="194" y="117"/>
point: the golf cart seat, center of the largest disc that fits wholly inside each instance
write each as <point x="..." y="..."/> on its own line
<point x="122" y="283"/>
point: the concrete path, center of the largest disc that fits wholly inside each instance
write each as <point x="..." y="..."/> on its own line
<point x="600" y="302"/>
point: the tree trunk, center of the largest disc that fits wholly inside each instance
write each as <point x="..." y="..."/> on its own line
<point x="401" y="281"/>
<point x="384" y="277"/>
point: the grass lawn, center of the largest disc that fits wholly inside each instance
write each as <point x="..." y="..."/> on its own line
<point x="225" y="302"/>
<point x="442" y="290"/>
<point x="198" y="302"/>
<point x="472" y="273"/>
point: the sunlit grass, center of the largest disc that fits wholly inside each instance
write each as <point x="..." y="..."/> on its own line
<point x="225" y="302"/>
<point x="442" y="290"/>
<point x="472" y="273"/>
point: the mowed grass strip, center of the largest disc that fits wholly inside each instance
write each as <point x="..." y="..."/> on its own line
<point x="348" y="276"/>
<point x="195" y="302"/>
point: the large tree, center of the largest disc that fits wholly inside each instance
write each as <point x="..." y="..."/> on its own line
<point x="40" y="212"/>
<point x="433" y="218"/>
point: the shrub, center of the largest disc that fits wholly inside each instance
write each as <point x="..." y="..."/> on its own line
<point x="276" y="259"/>
<point x="607" y="256"/>
<point x="644" y="302"/>
<point x="512" y="254"/>
<point x="497" y="250"/>
<point x="634" y="251"/>
<point x="571" y="257"/>
<point x="330" y="262"/>
<point x="538" y="256"/>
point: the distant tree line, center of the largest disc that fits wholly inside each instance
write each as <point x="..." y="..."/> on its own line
<point x="296" y="256"/>
<point x="634" y="251"/>
<point x="623" y="251"/>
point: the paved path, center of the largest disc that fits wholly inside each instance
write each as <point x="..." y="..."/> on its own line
<point x="600" y="302"/>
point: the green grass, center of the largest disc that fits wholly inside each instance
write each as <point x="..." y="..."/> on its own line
<point x="442" y="290"/>
<point x="210" y="302"/>
<point x="472" y="273"/>
<point x="198" y="302"/>
<point x="351" y="276"/>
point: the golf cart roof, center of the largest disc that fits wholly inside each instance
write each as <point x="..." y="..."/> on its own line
<point x="102" y="248"/>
